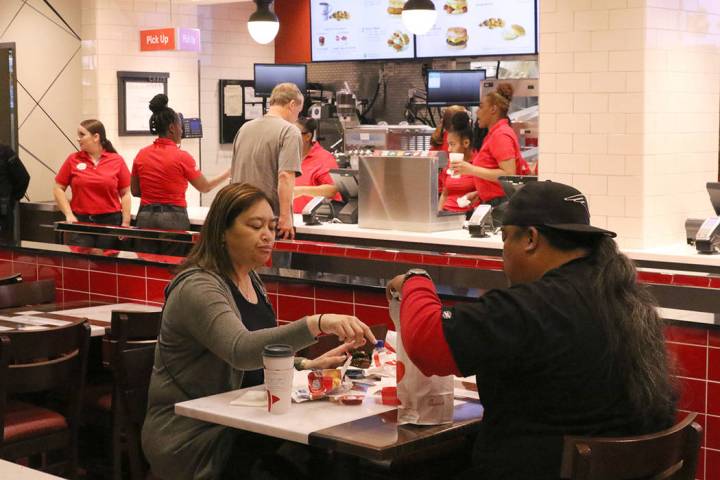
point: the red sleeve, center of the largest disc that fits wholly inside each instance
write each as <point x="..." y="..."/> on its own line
<point x="421" y="328"/>
<point x="189" y="167"/>
<point x="123" y="175"/>
<point x="502" y="148"/>
<point x="63" y="176"/>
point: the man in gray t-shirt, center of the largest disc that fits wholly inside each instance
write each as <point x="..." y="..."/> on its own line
<point x="267" y="153"/>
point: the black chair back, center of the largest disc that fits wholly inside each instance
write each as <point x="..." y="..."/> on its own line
<point x="27" y="293"/>
<point x="132" y="339"/>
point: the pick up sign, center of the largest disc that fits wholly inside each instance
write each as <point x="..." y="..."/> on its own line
<point x="157" y="39"/>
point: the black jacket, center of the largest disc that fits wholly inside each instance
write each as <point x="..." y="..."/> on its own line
<point x="14" y="179"/>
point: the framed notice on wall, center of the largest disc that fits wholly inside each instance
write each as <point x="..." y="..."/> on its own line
<point x="135" y="90"/>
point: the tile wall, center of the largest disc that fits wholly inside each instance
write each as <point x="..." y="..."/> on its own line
<point x="697" y="349"/>
<point x="629" y="111"/>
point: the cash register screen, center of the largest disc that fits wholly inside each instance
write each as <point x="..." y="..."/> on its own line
<point x="346" y="183"/>
<point x="713" y="189"/>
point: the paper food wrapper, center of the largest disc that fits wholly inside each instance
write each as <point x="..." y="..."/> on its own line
<point x="424" y="400"/>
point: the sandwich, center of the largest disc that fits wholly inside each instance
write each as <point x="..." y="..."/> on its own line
<point x="455" y="7"/>
<point x="395" y="7"/>
<point x="457" y="37"/>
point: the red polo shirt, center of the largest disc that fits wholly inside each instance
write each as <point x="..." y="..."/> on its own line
<point x="95" y="188"/>
<point x="456" y="188"/>
<point x="164" y="171"/>
<point x="316" y="168"/>
<point x="499" y="145"/>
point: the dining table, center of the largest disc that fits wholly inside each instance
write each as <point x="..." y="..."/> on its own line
<point x="53" y="315"/>
<point x="369" y="431"/>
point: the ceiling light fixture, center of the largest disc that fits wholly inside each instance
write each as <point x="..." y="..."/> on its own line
<point x="263" y="24"/>
<point x="419" y="16"/>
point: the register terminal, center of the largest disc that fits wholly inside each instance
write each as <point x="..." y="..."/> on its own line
<point x="707" y="238"/>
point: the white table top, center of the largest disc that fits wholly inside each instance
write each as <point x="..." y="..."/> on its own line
<point x="296" y="425"/>
<point x="103" y="313"/>
<point x="302" y="419"/>
<point x="9" y="470"/>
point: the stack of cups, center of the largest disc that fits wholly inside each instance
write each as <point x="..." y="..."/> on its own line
<point x="278" y="361"/>
<point x="455" y="157"/>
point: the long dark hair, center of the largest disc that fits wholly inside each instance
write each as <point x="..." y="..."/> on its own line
<point x="210" y="252"/>
<point x="461" y="126"/>
<point x="95" y="126"/>
<point x="631" y="322"/>
<point x="436" y="139"/>
<point x="162" y="117"/>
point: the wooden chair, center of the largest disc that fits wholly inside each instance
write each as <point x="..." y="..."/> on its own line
<point x="11" y="279"/>
<point x="31" y="362"/>
<point x="670" y="454"/>
<point x="27" y="293"/>
<point x="129" y="352"/>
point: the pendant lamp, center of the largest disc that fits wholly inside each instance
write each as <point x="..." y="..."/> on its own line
<point x="263" y="24"/>
<point x="419" y="16"/>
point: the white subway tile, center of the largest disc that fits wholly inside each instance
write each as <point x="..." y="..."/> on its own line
<point x="572" y="163"/>
<point x="592" y="20"/>
<point x="592" y="144"/>
<point x="591" y="61"/>
<point x="607" y="164"/>
<point x="573" y="41"/>
<point x="590" y="184"/>
<point x="590" y="103"/>
<point x="573" y="123"/>
<point x="608" y="123"/>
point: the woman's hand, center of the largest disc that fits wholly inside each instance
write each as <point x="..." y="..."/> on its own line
<point x="332" y="358"/>
<point x="473" y="196"/>
<point x="394" y="285"/>
<point x="346" y="327"/>
<point x="71" y="218"/>
<point x="462" y="168"/>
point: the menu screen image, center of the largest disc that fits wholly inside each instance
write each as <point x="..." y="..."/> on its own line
<point x="481" y="27"/>
<point x="359" y="30"/>
<point x="454" y="87"/>
<point x="268" y="75"/>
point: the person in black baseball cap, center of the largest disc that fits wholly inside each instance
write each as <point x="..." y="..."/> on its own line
<point x="573" y="347"/>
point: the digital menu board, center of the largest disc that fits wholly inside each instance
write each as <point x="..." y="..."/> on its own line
<point x="359" y="30"/>
<point x="481" y="27"/>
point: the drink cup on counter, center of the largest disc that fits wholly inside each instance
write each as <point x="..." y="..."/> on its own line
<point x="278" y="369"/>
<point x="455" y="158"/>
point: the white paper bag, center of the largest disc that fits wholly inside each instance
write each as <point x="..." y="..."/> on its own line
<point x="423" y="400"/>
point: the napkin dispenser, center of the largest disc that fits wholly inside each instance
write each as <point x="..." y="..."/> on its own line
<point x="692" y="225"/>
<point x="316" y="209"/>
<point x="481" y="221"/>
<point x="707" y="239"/>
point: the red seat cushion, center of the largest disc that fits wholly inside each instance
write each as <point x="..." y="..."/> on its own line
<point x="98" y="397"/>
<point x="23" y="420"/>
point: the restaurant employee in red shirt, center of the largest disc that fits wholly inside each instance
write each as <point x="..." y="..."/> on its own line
<point x="100" y="185"/>
<point x="160" y="176"/>
<point x="459" y="194"/>
<point x="317" y="162"/>
<point x="439" y="138"/>
<point x="500" y="152"/>
<point x="574" y="346"/>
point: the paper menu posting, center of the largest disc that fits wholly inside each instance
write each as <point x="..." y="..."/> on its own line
<point x="480" y="27"/>
<point x="359" y="30"/>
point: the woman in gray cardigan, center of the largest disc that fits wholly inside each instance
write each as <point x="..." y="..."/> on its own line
<point x="204" y="344"/>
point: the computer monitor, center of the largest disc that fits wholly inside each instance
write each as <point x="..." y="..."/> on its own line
<point x="713" y="189"/>
<point x="454" y="87"/>
<point x="268" y="75"/>
<point x="346" y="182"/>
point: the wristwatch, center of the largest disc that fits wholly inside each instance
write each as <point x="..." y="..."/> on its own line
<point x="415" y="272"/>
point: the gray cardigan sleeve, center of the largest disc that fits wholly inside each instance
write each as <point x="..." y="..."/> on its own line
<point x="202" y="305"/>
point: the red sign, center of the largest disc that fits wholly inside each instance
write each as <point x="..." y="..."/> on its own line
<point x="157" y="39"/>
